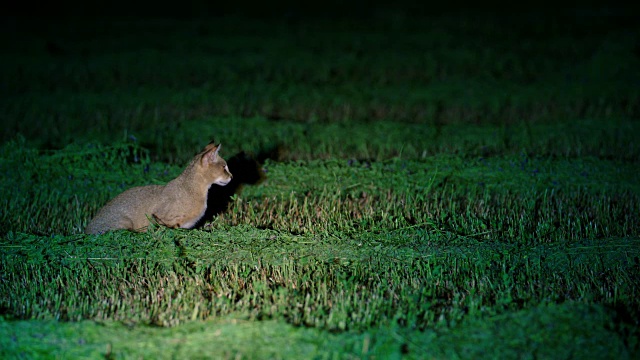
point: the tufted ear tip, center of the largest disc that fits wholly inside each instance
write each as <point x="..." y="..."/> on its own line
<point x="209" y="146"/>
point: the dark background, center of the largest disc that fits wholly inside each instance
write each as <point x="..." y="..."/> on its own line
<point x="291" y="9"/>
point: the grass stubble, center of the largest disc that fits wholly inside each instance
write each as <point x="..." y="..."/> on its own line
<point x="395" y="249"/>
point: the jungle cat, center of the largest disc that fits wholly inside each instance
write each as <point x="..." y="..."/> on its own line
<point x="178" y="204"/>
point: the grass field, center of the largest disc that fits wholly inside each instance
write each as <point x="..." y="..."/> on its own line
<point x="459" y="186"/>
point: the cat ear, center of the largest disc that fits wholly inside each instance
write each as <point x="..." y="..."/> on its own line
<point x="211" y="145"/>
<point x="210" y="154"/>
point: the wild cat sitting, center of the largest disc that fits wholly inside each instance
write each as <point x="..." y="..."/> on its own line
<point x="178" y="204"/>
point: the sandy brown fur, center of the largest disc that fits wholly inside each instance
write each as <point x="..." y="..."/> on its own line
<point x="178" y="204"/>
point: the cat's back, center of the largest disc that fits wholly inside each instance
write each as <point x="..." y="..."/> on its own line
<point x="136" y="197"/>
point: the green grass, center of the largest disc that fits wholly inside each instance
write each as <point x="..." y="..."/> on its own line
<point x="414" y="278"/>
<point x="549" y="331"/>
<point x="427" y="193"/>
<point x="337" y="245"/>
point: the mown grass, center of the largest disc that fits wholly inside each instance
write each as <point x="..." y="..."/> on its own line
<point x="414" y="279"/>
<point x="339" y="245"/>
<point x="550" y="331"/>
<point x="515" y="196"/>
<point x="426" y="192"/>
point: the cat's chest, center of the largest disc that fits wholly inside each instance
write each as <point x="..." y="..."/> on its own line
<point x="191" y="219"/>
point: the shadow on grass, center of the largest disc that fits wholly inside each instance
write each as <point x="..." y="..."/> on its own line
<point x="246" y="170"/>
